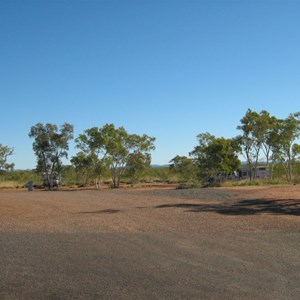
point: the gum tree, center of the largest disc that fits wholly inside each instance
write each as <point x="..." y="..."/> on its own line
<point x="83" y="167"/>
<point x="92" y="160"/>
<point x="216" y="156"/>
<point x="5" y="152"/>
<point x="136" y="164"/>
<point x="285" y="148"/>
<point x="184" y="166"/>
<point x="51" y="144"/>
<point x="267" y="125"/>
<point x="126" y="150"/>
<point x="117" y="150"/>
<point x="251" y="139"/>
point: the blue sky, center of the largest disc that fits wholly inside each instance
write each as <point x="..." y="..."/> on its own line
<point x="170" y="69"/>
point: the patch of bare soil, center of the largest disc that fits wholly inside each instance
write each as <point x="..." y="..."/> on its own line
<point x="215" y="209"/>
<point x="218" y="243"/>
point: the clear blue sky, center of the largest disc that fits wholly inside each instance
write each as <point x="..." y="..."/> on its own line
<point x="170" y="69"/>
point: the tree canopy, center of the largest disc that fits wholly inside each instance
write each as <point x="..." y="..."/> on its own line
<point x="5" y="152"/>
<point x="184" y="166"/>
<point x="263" y="139"/>
<point x="216" y="156"/>
<point x="51" y="144"/>
<point x="272" y="140"/>
<point x="116" y="149"/>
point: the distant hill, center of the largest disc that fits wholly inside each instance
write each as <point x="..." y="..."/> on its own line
<point x="160" y="166"/>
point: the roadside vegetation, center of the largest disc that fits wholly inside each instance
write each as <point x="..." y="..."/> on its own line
<point x="150" y="176"/>
<point x="110" y="156"/>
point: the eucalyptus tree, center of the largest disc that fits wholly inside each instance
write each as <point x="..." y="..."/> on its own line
<point x="126" y="150"/>
<point x="251" y="139"/>
<point x="276" y="138"/>
<point x="266" y="125"/>
<point x="51" y="145"/>
<point x="139" y="154"/>
<point x="284" y="146"/>
<point x="137" y="163"/>
<point x="216" y="155"/>
<point x="93" y="160"/>
<point x="83" y="167"/>
<point x="5" y="152"/>
<point x="184" y="166"/>
<point x="116" y="149"/>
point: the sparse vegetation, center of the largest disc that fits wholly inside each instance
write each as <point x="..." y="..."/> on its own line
<point x="5" y="152"/>
<point x="50" y="145"/>
<point x="113" y="156"/>
<point x="114" y="149"/>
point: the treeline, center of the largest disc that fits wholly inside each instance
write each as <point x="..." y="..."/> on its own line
<point x="113" y="152"/>
<point x="263" y="139"/>
<point x="72" y="178"/>
<point x="101" y="150"/>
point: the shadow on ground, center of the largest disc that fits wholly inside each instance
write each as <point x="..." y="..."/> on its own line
<point x="244" y="207"/>
<point x="103" y="211"/>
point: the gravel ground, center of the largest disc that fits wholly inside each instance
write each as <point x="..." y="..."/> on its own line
<point x="222" y="243"/>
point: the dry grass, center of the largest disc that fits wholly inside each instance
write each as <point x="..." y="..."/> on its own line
<point x="10" y="184"/>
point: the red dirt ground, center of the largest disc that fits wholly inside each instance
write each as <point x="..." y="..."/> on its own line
<point x="150" y="243"/>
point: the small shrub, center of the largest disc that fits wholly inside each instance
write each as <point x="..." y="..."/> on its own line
<point x="185" y="185"/>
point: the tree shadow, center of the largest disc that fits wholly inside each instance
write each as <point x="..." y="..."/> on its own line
<point x="103" y="211"/>
<point x="244" y="207"/>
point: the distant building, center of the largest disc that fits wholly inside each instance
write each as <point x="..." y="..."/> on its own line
<point x="261" y="172"/>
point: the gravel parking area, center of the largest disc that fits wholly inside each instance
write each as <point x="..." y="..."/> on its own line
<point x="220" y="243"/>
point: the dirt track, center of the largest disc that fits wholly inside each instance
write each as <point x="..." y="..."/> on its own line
<point x="151" y="244"/>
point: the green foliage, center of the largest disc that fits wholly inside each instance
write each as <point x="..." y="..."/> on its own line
<point x="215" y="156"/>
<point x="257" y="182"/>
<point x="113" y="148"/>
<point x="50" y="146"/>
<point x="110" y="151"/>
<point x="284" y="146"/>
<point x="185" y="167"/>
<point x="19" y="179"/>
<point x="137" y="163"/>
<point x="276" y="138"/>
<point x="21" y="176"/>
<point x="68" y="176"/>
<point x="5" y="152"/>
<point x="84" y="167"/>
<point x="127" y="150"/>
<point x="253" y="127"/>
<point x="160" y="175"/>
